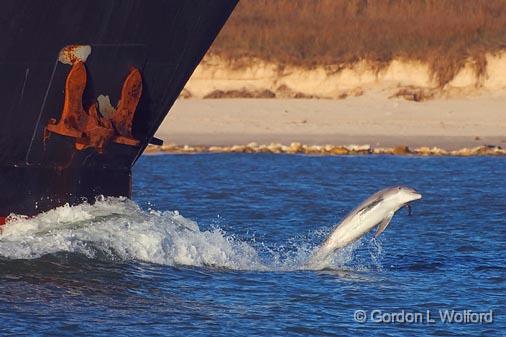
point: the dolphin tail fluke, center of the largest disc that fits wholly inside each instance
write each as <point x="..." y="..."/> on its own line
<point x="384" y="224"/>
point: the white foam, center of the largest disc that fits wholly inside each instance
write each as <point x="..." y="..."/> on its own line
<point x="119" y="229"/>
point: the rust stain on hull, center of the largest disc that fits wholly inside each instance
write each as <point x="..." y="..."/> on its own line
<point x="88" y="127"/>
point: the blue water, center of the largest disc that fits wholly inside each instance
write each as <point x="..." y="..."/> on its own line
<point x="232" y="261"/>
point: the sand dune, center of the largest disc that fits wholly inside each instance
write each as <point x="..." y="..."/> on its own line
<point x="252" y="77"/>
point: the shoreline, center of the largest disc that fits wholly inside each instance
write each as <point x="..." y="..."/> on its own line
<point x="449" y="143"/>
<point x="327" y="150"/>
<point x="450" y="124"/>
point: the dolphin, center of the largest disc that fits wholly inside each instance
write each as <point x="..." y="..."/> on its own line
<point x="379" y="208"/>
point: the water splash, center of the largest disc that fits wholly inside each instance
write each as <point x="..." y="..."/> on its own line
<point x="118" y="229"/>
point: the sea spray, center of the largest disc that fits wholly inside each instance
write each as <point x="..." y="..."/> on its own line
<point x="118" y="229"/>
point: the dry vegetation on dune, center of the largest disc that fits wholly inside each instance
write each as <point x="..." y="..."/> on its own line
<point x="443" y="33"/>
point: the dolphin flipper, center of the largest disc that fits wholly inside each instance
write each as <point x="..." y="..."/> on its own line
<point x="384" y="224"/>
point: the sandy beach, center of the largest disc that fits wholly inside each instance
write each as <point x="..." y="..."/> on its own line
<point x="369" y="119"/>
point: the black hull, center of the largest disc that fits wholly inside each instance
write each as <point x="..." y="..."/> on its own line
<point x="164" y="39"/>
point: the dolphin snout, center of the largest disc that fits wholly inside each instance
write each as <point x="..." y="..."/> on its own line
<point x="417" y="196"/>
<point x="414" y="195"/>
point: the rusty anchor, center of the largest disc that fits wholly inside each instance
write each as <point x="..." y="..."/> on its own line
<point x="88" y="127"/>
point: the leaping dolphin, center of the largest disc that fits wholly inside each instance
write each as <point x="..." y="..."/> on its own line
<point x="379" y="208"/>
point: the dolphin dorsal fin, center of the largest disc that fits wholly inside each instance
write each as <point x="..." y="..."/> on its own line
<point x="384" y="224"/>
